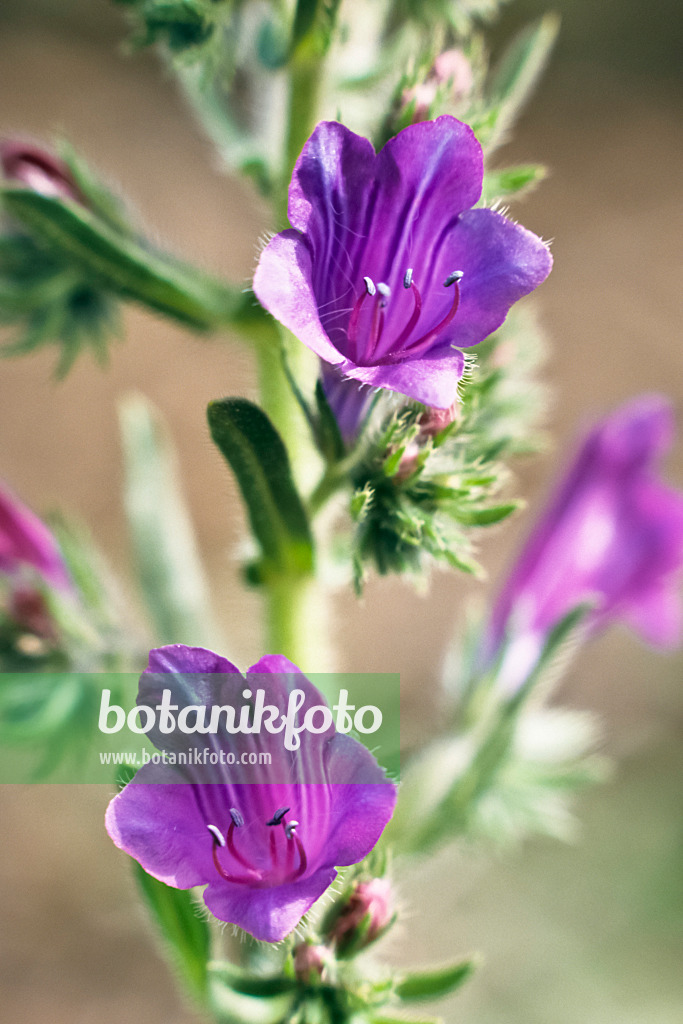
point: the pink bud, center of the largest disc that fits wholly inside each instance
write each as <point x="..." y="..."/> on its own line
<point x="29" y="610"/>
<point x="451" y="72"/>
<point x="310" y="961"/>
<point x="433" y="421"/>
<point x="453" y="69"/>
<point x="372" y="900"/>
<point x="26" y="164"/>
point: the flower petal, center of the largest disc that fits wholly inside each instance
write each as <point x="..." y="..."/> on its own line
<point x="271" y="913"/>
<point x="162" y="827"/>
<point x="428" y="175"/>
<point x="501" y="262"/>
<point x="433" y="379"/>
<point x="283" y="283"/>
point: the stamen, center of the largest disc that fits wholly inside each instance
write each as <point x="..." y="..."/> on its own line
<point x="236" y="821"/>
<point x="352" y="329"/>
<point x="303" y="860"/>
<point x="396" y="346"/>
<point x="273" y="849"/>
<point x="427" y="340"/>
<point x="278" y="816"/>
<point x="253" y="876"/>
<point x="218" y="843"/>
<point x="217" y="835"/>
<point x="385" y="292"/>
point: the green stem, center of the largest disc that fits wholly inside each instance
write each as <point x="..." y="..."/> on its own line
<point x="304" y="92"/>
<point x="295" y="608"/>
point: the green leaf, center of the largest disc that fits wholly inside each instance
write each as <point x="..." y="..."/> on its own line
<point x="35" y="707"/>
<point x="185" y="935"/>
<point x="486" y="516"/>
<point x="247" y="984"/>
<point x="511" y="181"/>
<point x="231" y="1006"/>
<point x="121" y="264"/>
<point x="434" y="983"/>
<point x="259" y="460"/>
<point x="167" y="559"/>
<point x="328" y="435"/>
<point x="517" y="74"/>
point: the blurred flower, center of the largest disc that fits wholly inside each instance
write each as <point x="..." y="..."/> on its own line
<point x="388" y="272"/>
<point x="29" y="560"/>
<point x="26" y="164"/>
<point x="613" y="535"/>
<point x="450" y="72"/>
<point x="265" y="838"/>
<point x="26" y="543"/>
<point x="366" y="915"/>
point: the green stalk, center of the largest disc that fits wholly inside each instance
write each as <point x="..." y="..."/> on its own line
<point x="295" y="610"/>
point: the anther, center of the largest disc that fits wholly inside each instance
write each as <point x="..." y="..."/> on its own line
<point x="290" y="828"/>
<point x="236" y="817"/>
<point x="385" y="292"/>
<point x="408" y="279"/>
<point x="217" y="835"/>
<point x="427" y="340"/>
<point x="278" y="816"/>
<point x="369" y="285"/>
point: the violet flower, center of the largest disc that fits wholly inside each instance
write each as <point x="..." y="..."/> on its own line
<point x="27" y="544"/>
<point x="612" y="535"/>
<point x="37" y="169"/>
<point x="265" y="840"/>
<point x="388" y="272"/>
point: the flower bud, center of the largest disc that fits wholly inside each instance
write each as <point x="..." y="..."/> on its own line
<point x="310" y="962"/>
<point x="433" y="421"/>
<point x="26" y="543"/>
<point x="37" y="169"/>
<point x="28" y="609"/>
<point x="450" y="76"/>
<point x="367" y="914"/>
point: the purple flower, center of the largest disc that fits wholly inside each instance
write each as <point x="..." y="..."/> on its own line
<point x="613" y="535"/>
<point x="26" y="543"/>
<point x="264" y="840"/>
<point x="388" y="272"/>
<point x="35" y="168"/>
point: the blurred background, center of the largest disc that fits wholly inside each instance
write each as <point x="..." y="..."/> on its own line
<point x="588" y="933"/>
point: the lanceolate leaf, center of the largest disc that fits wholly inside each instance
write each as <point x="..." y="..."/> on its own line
<point x="511" y="182"/>
<point x="121" y="264"/>
<point x="184" y="933"/>
<point x="259" y="460"/>
<point x="517" y="74"/>
<point x="167" y="559"/>
<point x="434" y="983"/>
<point x="232" y="977"/>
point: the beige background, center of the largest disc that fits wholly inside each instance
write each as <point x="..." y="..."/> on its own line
<point x="72" y="939"/>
